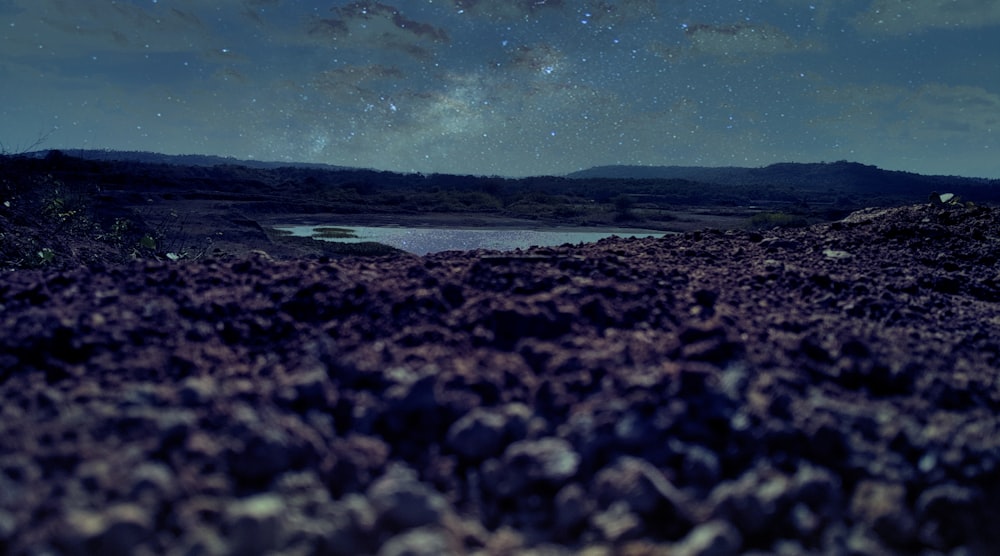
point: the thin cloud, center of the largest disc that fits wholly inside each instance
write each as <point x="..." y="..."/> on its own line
<point x="935" y="111"/>
<point x="620" y="11"/>
<point x="72" y="27"/>
<point x="893" y="17"/>
<point x="507" y="10"/>
<point x="739" y="41"/>
<point x="374" y="24"/>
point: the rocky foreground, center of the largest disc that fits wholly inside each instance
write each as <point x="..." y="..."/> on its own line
<point x="830" y="390"/>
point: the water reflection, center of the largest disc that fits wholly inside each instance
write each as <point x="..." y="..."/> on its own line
<point x="422" y="241"/>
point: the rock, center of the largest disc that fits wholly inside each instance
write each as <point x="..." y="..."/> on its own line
<point x="713" y="538"/>
<point x="152" y="479"/>
<point x="8" y="528"/>
<point x="478" y="435"/>
<point x="819" y="490"/>
<point x="572" y="509"/>
<point x="425" y="541"/>
<point x="754" y="503"/>
<point x="254" y="524"/>
<point x="349" y="529"/>
<point x="308" y="389"/>
<point x="882" y="507"/>
<point x="121" y="529"/>
<point x="640" y="485"/>
<point x="700" y="467"/>
<point x="401" y="502"/>
<point x="548" y="461"/>
<point x="949" y="515"/>
<point x="617" y="523"/>
<point x="196" y="391"/>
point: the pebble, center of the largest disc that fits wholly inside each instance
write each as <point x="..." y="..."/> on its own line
<point x="548" y="461"/>
<point x="478" y="434"/>
<point x="713" y="538"/>
<point x="254" y="524"/>
<point x="402" y="502"/>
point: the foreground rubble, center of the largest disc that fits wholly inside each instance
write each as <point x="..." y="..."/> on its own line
<point x="829" y="390"/>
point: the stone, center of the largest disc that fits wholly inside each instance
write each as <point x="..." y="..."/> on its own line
<point x="701" y="467"/>
<point x="550" y="461"/>
<point x="264" y="453"/>
<point x="478" y="435"/>
<point x="617" y="523"/>
<point x="949" y="515"/>
<point x="349" y="529"/>
<point x="120" y="530"/>
<point x="254" y="524"/>
<point x="424" y="541"/>
<point x="882" y="507"/>
<point x="153" y="479"/>
<point x="713" y="538"/>
<point x="402" y="502"/>
<point x="640" y="485"/>
<point x="572" y="509"/>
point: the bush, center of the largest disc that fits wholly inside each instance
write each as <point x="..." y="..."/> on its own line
<point x="767" y="220"/>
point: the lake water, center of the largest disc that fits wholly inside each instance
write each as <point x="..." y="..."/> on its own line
<point x="422" y="241"/>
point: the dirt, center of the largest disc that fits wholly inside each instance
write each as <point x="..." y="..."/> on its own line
<point x="831" y="390"/>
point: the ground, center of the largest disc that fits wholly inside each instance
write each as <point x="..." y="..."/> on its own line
<point x="830" y="389"/>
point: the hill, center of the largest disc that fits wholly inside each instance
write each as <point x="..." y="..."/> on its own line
<point x="179" y="159"/>
<point x="850" y="177"/>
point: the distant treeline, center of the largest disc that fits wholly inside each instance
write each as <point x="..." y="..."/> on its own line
<point x="838" y="187"/>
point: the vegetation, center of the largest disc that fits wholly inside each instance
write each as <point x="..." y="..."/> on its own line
<point x="334" y="233"/>
<point x="768" y="220"/>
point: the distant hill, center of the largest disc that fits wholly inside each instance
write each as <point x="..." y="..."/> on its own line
<point x="843" y="176"/>
<point x="181" y="159"/>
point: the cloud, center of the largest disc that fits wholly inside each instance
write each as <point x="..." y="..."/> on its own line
<point x="621" y="11"/>
<point x="933" y="110"/>
<point x="123" y="26"/>
<point x="898" y="17"/>
<point x="506" y="10"/>
<point x="374" y="24"/>
<point x="739" y="41"/>
<point x="952" y="111"/>
<point x="351" y="84"/>
<point x="538" y="59"/>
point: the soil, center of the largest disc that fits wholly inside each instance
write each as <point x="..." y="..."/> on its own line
<point x="827" y="390"/>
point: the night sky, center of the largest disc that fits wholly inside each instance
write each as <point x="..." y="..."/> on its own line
<point x="511" y="87"/>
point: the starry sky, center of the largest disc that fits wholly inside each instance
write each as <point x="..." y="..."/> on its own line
<point x="512" y="87"/>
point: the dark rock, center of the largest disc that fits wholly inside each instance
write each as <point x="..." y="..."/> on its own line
<point x="617" y="523"/>
<point x="572" y="509"/>
<point x="120" y="530"/>
<point x="401" y="502"/>
<point x="309" y="389"/>
<point x="644" y="490"/>
<point x="639" y="484"/>
<point x="950" y="515"/>
<point x="755" y="503"/>
<point x="882" y="508"/>
<point x="425" y="541"/>
<point x="262" y="456"/>
<point x="478" y="435"/>
<point x="548" y="461"/>
<point x="253" y="525"/>
<point x="349" y="528"/>
<point x="701" y="467"/>
<point x="713" y="538"/>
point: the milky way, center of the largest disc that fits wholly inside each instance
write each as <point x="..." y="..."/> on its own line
<point x="511" y="88"/>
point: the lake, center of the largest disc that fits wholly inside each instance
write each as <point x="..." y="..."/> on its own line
<point x="422" y="241"/>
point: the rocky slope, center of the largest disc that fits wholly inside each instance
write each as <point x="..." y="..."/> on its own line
<point x="825" y="390"/>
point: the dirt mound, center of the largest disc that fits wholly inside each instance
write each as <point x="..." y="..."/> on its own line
<point x="831" y="389"/>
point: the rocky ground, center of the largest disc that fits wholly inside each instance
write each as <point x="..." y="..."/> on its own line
<point x="828" y="390"/>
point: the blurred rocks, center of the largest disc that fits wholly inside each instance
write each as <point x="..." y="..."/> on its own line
<point x="705" y="394"/>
